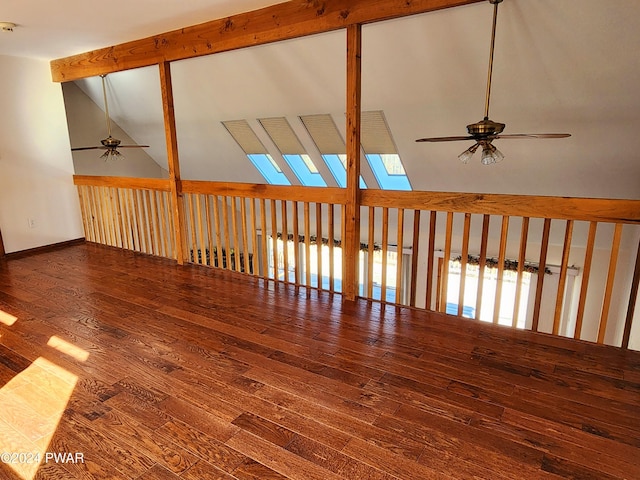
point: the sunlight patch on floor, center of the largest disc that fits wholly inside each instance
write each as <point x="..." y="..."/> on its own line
<point x="33" y="403"/>
<point x="7" y="318"/>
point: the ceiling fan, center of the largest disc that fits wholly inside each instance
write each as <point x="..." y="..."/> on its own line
<point x="110" y="145"/>
<point x="486" y="130"/>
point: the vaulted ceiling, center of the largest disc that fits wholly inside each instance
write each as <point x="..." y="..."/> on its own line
<point x="560" y="66"/>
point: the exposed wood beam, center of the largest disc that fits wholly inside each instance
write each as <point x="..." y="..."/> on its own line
<point x="173" y="162"/>
<point x="296" y="18"/>
<point x="351" y="241"/>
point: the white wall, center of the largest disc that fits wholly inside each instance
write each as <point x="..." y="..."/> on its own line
<point x="35" y="159"/>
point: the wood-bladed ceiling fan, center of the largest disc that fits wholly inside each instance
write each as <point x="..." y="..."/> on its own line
<point x="110" y="144"/>
<point x="486" y="131"/>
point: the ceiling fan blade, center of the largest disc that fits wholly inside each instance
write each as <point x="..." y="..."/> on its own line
<point x="534" y="135"/>
<point x="445" y="139"/>
<point x="133" y="146"/>
<point x="88" y="148"/>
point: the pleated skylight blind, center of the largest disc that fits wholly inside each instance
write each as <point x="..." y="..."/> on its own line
<point x="375" y="134"/>
<point x="282" y="135"/>
<point x="245" y="136"/>
<point x="325" y="134"/>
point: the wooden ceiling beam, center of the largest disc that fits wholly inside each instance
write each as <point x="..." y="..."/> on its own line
<point x="292" y="19"/>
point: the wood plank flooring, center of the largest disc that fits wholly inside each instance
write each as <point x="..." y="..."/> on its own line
<point x="150" y="370"/>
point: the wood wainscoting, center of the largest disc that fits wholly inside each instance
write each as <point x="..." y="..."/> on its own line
<point x="151" y="369"/>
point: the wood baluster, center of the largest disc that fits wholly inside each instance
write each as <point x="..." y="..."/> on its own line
<point x="263" y="228"/>
<point x="254" y="236"/>
<point x="225" y="233"/>
<point x="245" y="236"/>
<point x="433" y="217"/>
<point x="399" y="257"/>
<point x="274" y="239"/>
<point x="613" y="262"/>
<point x="136" y="220"/>
<point x="319" y="243"/>
<point x="156" y="221"/>
<point x="296" y="244"/>
<point x="331" y="234"/>
<point x="385" y="249"/>
<point x="562" y="282"/>
<point x="202" y="245"/>
<point x="482" y="263"/>
<point x="522" y="256"/>
<point x="371" y="251"/>
<point x="151" y="222"/>
<point x="236" y="238"/>
<point x="586" y="272"/>
<point x="307" y="245"/>
<point x="542" y="267"/>
<point x="633" y="295"/>
<point x="501" y="259"/>
<point x="218" y="227"/>
<point x="207" y="209"/>
<point x="285" y="240"/>
<point x="414" y="257"/>
<point x="464" y="261"/>
<point x="445" y="264"/>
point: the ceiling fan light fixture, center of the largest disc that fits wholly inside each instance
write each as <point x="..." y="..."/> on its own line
<point x="490" y="154"/>
<point x="468" y="153"/>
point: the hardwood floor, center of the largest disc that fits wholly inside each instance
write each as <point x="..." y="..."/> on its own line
<point x="141" y="369"/>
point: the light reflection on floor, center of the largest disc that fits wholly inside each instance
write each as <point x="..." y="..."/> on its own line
<point x="33" y="403"/>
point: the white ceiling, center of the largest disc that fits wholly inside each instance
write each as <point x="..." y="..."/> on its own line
<point x="55" y="29"/>
<point x="560" y="66"/>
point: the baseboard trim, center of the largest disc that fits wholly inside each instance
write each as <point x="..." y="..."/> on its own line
<point x="43" y="249"/>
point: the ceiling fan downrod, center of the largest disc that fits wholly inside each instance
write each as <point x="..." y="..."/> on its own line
<point x="486" y="127"/>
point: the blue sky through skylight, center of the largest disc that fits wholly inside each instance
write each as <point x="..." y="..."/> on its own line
<point x="381" y="169"/>
<point x="305" y="170"/>
<point x="336" y="165"/>
<point x="269" y="169"/>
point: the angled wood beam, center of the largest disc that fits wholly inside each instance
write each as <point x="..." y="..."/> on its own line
<point x="351" y="241"/>
<point x="296" y="18"/>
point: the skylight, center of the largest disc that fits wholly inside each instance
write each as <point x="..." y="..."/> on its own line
<point x="269" y="169"/>
<point x="381" y="153"/>
<point x="256" y="152"/>
<point x="338" y="166"/>
<point x="293" y="151"/>
<point x="325" y="135"/>
<point x="377" y="144"/>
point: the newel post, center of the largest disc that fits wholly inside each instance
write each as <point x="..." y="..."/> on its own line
<point x="351" y="242"/>
<point x="173" y="162"/>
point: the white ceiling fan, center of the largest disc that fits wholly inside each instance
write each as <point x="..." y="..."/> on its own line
<point x="486" y="131"/>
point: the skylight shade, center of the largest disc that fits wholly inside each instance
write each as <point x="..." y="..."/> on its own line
<point x="325" y="134"/>
<point x="246" y="137"/>
<point x="283" y="135"/>
<point x="375" y="134"/>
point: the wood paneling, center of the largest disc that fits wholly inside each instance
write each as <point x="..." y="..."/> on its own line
<point x="194" y="373"/>
<point x="283" y="21"/>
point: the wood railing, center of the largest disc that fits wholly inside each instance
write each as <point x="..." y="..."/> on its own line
<point x="572" y="264"/>
<point x="128" y="213"/>
<point x="248" y="228"/>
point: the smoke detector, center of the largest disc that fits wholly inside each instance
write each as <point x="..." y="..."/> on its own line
<point x="7" y="26"/>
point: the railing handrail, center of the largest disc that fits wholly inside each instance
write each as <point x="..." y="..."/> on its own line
<point x="533" y="206"/>
<point x="294" y="193"/>
<point x="161" y="184"/>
